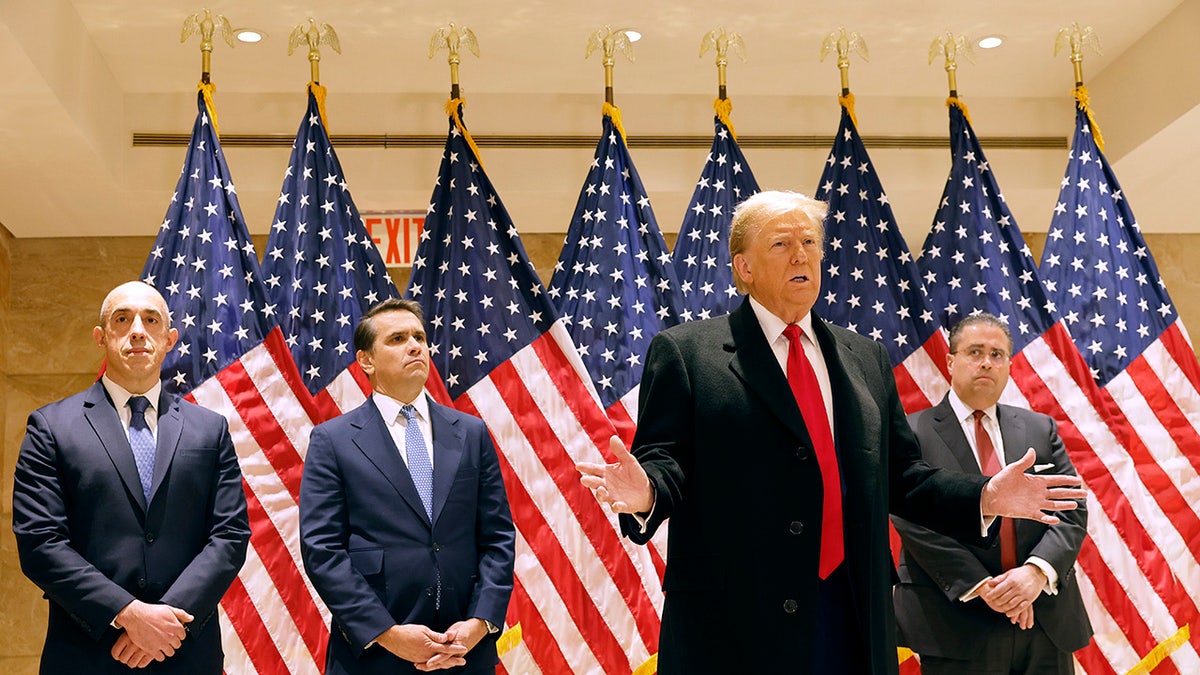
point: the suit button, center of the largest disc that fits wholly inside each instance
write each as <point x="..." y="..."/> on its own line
<point x="429" y="591"/>
<point x="150" y="537"/>
<point x="436" y="547"/>
<point x="141" y="582"/>
<point x="802" y="452"/>
<point x="796" y="527"/>
<point x="790" y="606"/>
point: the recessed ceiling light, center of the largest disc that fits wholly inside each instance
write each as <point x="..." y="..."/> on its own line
<point x="249" y="35"/>
<point x="633" y="35"/>
<point x="991" y="41"/>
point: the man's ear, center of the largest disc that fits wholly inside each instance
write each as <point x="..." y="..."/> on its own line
<point x="742" y="265"/>
<point x="365" y="361"/>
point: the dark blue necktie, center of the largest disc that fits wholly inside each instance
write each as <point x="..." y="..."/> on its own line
<point x="141" y="441"/>
<point x="418" y="458"/>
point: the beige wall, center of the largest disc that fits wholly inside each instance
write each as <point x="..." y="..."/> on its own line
<point x="50" y="293"/>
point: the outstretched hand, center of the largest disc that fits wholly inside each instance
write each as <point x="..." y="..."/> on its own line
<point x="1016" y="494"/>
<point x="623" y="485"/>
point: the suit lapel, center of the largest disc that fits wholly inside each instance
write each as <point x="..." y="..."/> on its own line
<point x="951" y="432"/>
<point x="447" y="454"/>
<point x="1012" y="430"/>
<point x="374" y="441"/>
<point x="755" y="364"/>
<point x="170" y="427"/>
<point x="102" y="416"/>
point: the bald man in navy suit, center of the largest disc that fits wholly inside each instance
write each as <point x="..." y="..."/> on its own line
<point x="128" y="509"/>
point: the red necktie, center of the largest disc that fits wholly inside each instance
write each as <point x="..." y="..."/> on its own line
<point x="803" y="381"/>
<point x="990" y="464"/>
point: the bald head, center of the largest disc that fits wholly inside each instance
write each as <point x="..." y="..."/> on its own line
<point x="133" y="289"/>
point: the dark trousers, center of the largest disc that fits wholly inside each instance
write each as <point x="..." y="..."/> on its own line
<point x="1007" y="651"/>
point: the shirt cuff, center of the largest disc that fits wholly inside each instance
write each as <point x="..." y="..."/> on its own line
<point x="491" y="627"/>
<point x="1047" y="569"/>
<point x="642" y="518"/>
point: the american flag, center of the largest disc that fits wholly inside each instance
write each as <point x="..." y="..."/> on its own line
<point x="869" y="281"/>
<point x="614" y="284"/>
<point x="321" y="269"/>
<point x="231" y="358"/>
<point x="584" y="600"/>
<point x="1102" y="276"/>
<point x="701" y="254"/>
<point x="976" y="259"/>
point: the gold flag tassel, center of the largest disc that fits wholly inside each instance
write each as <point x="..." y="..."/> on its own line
<point x="721" y="41"/>
<point x="208" y="89"/>
<point x="1075" y="37"/>
<point x="454" y="110"/>
<point x="313" y="36"/>
<point x="614" y="113"/>
<point x="207" y="25"/>
<point x="842" y="43"/>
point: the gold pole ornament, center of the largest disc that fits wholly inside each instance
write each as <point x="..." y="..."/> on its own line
<point x="313" y="36"/>
<point x="722" y="41"/>
<point x="609" y="41"/>
<point x="950" y="46"/>
<point x="206" y="26"/>
<point x="1076" y="38"/>
<point x="842" y="43"/>
<point x="453" y="39"/>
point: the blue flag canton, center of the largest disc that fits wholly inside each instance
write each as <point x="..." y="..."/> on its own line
<point x="975" y="258"/>
<point x="614" y="283"/>
<point x="1097" y="266"/>
<point x="482" y="299"/>
<point x="701" y="255"/>
<point x="204" y="264"/>
<point x="869" y="281"/>
<point x="322" y="271"/>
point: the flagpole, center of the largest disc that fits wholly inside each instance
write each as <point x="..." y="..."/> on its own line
<point x="314" y="36"/>
<point x="843" y="43"/>
<point x="452" y="39"/>
<point x="609" y="41"/>
<point x="721" y="41"/>
<point x="206" y="26"/>
<point x="950" y="46"/>
<point x="1075" y="38"/>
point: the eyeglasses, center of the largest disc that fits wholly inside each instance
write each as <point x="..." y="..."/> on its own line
<point x="977" y="355"/>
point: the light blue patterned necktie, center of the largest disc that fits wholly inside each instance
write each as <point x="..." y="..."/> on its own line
<point x="141" y="441"/>
<point x="419" y="466"/>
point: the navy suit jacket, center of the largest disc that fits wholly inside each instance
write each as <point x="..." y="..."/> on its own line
<point x="732" y="465"/>
<point x="371" y="551"/>
<point x="87" y="538"/>
<point x="935" y="571"/>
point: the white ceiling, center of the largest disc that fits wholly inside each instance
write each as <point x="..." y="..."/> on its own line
<point x="83" y="75"/>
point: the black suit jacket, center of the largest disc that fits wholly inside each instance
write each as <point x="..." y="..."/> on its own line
<point x="371" y="551"/>
<point x="86" y="537"/>
<point x="935" y="570"/>
<point x="725" y="447"/>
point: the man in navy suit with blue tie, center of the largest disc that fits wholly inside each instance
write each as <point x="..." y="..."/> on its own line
<point x="404" y="522"/>
<point x="128" y="509"/>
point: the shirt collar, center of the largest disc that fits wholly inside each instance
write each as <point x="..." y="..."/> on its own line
<point x="120" y="396"/>
<point x="962" y="411"/>
<point x="773" y="326"/>
<point x="389" y="408"/>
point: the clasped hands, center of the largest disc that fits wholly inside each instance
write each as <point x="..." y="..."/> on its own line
<point x="430" y="650"/>
<point x="1013" y="592"/>
<point x="1012" y="493"/>
<point x="151" y="633"/>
